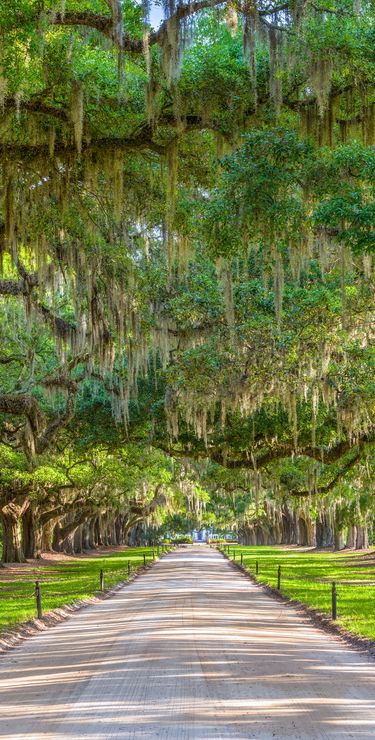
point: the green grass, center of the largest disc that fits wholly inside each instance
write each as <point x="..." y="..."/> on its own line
<point x="62" y="582"/>
<point x="307" y="576"/>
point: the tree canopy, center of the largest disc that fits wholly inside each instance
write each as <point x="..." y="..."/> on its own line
<point x="186" y="290"/>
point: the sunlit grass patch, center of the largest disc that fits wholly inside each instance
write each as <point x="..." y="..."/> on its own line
<point x="307" y="576"/>
<point x="62" y="582"/>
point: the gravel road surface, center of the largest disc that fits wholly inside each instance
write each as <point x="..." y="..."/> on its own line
<point x="189" y="651"/>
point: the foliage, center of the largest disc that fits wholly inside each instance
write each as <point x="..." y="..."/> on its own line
<point x="186" y="288"/>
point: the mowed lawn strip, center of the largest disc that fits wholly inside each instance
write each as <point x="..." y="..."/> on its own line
<point x="307" y="576"/>
<point x="63" y="582"/>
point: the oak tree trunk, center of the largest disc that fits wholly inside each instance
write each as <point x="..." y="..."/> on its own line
<point x="12" y="535"/>
<point x="324" y="532"/>
<point x="351" y="536"/>
<point x="362" y="538"/>
<point x="338" y="540"/>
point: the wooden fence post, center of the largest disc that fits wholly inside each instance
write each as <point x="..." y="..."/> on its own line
<point x="38" y="599"/>
<point x="279" y="578"/>
<point x="129" y="569"/>
<point x="101" y="580"/>
<point x="241" y="558"/>
<point x="144" y="559"/>
<point x="256" y="567"/>
<point x="334" y="601"/>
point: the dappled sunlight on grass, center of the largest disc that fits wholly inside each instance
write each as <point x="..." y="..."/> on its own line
<point x="62" y="582"/>
<point x="306" y="576"/>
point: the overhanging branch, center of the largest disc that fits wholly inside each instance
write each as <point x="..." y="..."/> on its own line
<point x="106" y="25"/>
<point x="329" y="486"/>
<point x="256" y="458"/>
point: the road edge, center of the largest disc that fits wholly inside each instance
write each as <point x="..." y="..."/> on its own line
<point x="15" y="636"/>
<point x="363" y="645"/>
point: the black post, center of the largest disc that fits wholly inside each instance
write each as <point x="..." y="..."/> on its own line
<point x="38" y="598"/>
<point x="241" y="558"/>
<point x="153" y="554"/>
<point x="334" y="601"/>
<point x="144" y="559"/>
<point x="256" y="567"/>
<point x="279" y="578"/>
<point x="101" y="580"/>
<point x="129" y="569"/>
<point x="234" y="554"/>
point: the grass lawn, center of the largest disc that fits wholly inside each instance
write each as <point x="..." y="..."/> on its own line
<point x="307" y="575"/>
<point x="62" y="581"/>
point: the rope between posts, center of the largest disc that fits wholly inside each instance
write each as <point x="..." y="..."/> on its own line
<point x="303" y="577"/>
<point x="280" y="577"/>
<point x="324" y="580"/>
<point x="17" y="595"/>
<point x="113" y="577"/>
<point x="17" y="591"/>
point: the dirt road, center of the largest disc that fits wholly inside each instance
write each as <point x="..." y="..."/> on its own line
<point x="191" y="650"/>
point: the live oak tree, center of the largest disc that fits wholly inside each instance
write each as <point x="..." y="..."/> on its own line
<point x="186" y="231"/>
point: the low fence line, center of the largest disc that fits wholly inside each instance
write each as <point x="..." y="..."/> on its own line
<point x="281" y="577"/>
<point x="128" y="570"/>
